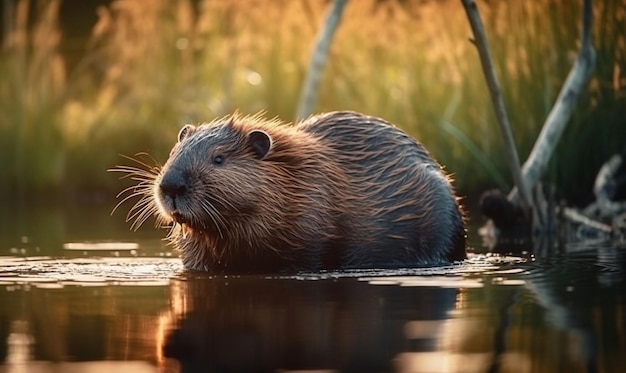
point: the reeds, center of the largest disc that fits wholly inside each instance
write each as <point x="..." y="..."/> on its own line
<point x="151" y="69"/>
<point x="31" y="97"/>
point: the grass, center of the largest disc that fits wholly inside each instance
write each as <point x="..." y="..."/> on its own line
<point x="33" y="83"/>
<point x="149" y="70"/>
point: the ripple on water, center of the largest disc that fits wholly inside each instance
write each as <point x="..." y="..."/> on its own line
<point x="49" y="272"/>
<point x="150" y="271"/>
<point x="465" y="274"/>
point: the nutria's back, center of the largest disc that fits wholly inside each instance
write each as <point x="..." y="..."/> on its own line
<point x="401" y="194"/>
<point x="339" y="190"/>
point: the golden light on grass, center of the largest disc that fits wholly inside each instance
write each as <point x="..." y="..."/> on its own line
<point x="148" y="70"/>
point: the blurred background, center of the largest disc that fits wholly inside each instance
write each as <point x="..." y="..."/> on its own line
<point x="82" y="82"/>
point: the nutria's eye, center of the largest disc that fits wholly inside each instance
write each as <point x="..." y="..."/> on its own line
<point x="218" y="159"/>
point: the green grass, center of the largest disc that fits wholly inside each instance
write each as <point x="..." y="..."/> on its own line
<point x="32" y="146"/>
<point x="149" y="70"/>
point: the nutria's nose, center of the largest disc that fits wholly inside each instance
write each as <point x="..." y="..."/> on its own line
<point x="173" y="186"/>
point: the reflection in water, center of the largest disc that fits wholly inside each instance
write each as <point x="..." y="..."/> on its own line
<point x="19" y="346"/>
<point x="97" y="307"/>
<point x="252" y="324"/>
<point x="584" y="298"/>
<point x="562" y="315"/>
<point x="79" y="329"/>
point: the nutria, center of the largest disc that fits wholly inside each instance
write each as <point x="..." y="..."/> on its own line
<point x="340" y="190"/>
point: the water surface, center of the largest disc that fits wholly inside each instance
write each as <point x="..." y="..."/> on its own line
<point x="80" y="293"/>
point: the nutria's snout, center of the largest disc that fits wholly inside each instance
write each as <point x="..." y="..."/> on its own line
<point x="172" y="186"/>
<point x="172" y="192"/>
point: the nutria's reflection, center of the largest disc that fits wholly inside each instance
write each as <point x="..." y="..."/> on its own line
<point x="263" y="325"/>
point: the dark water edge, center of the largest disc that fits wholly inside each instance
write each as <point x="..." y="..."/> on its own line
<point x="101" y="305"/>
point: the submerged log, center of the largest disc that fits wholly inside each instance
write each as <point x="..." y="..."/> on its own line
<point x="509" y="231"/>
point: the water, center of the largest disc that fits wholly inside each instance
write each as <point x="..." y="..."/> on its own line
<point x="80" y="293"/>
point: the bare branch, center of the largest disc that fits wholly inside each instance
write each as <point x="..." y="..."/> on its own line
<point x="564" y="106"/>
<point x="575" y="217"/>
<point x="310" y="87"/>
<point x="480" y="40"/>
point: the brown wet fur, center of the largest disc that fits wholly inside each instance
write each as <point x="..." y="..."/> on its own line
<point x="337" y="191"/>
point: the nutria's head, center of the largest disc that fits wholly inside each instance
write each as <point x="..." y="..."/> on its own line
<point x="242" y="186"/>
<point x="212" y="175"/>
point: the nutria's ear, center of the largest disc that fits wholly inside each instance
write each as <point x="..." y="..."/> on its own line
<point x="260" y="142"/>
<point x="185" y="131"/>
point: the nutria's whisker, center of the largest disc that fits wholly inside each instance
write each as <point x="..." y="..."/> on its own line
<point x="223" y="201"/>
<point x="136" y="174"/>
<point x="130" y="196"/>
<point x="214" y="215"/>
<point x="134" y="191"/>
<point x="145" y="176"/>
<point x="139" y="207"/>
<point x="143" y="164"/>
<point x="131" y="170"/>
<point x="143" y="179"/>
<point x="160" y="221"/>
<point x="146" y="212"/>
